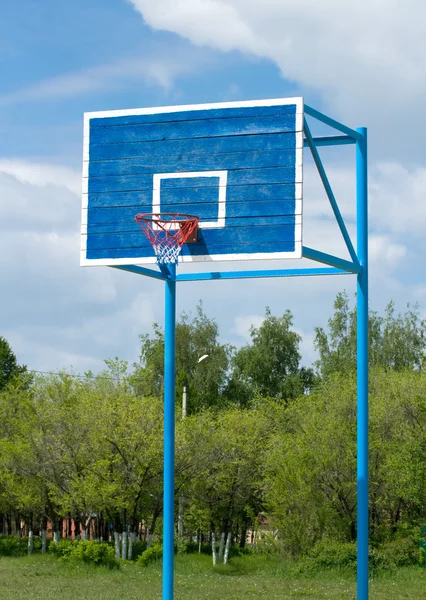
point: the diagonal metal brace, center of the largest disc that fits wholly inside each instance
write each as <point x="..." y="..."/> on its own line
<point x="329" y="193"/>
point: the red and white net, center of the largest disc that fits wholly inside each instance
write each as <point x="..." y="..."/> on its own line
<point x="167" y="233"/>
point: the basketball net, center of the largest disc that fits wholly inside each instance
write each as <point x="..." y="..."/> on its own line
<point x="167" y="233"/>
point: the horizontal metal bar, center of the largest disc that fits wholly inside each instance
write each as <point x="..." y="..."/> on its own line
<point x="329" y="192"/>
<point x="331" y="140"/>
<point x="258" y="274"/>
<point x="141" y="271"/>
<point x="329" y="259"/>
<point x="331" y="122"/>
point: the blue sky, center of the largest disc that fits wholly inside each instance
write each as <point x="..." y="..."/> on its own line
<point x="362" y="64"/>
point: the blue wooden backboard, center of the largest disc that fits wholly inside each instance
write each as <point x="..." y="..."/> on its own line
<point x="236" y="165"/>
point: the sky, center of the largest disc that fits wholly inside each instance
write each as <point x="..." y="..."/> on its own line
<point x="362" y="63"/>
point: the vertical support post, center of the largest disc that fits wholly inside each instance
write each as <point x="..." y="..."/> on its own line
<point x="362" y="365"/>
<point x="169" y="434"/>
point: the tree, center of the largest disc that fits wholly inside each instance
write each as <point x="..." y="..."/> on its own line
<point x="9" y="368"/>
<point x="311" y="463"/>
<point x="397" y="341"/>
<point x="227" y="487"/>
<point x="195" y="336"/>
<point x="269" y="365"/>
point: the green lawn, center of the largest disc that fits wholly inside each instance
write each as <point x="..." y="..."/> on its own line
<point x="44" y="578"/>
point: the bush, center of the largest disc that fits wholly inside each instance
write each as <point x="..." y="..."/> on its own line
<point x="137" y="549"/>
<point x="401" y="552"/>
<point x="268" y="544"/>
<point x="329" y="554"/>
<point x="62" y="548"/>
<point x="193" y="548"/>
<point x="11" y="545"/>
<point x="89" y="552"/>
<point x="150" y="555"/>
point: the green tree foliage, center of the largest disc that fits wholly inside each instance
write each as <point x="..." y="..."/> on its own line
<point x="91" y="448"/>
<point x="195" y="336"/>
<point x="269" y="366"/>
<point x="9" y="367"/>
<point x="397" y="341"/>
<point x="311" y="487"/>
<point x="226" y="489"/>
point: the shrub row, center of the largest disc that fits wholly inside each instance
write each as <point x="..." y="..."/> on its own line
<point x="330" y="554"/>
<point x="11" y="545"/>
<point x="89" y="552"/>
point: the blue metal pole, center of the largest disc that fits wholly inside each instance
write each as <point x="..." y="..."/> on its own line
<point x="362" y="364"/>
<point x="169" y="435"/>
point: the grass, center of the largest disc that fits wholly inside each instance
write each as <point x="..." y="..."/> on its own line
<point x="44" y="578"/>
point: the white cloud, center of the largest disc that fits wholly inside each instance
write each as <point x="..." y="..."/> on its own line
<point x="362" y="56"/>
<point x="398" y="198"/>
<point x="243" y="323"/>
<point x="160" y="69"/>
<point x="42" y="174"/>
<point x="55" y="313"/>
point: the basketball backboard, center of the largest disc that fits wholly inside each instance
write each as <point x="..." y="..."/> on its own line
<point x="236" y="165"/>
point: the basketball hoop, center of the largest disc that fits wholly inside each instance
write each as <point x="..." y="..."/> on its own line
<point x="167" y="233"/>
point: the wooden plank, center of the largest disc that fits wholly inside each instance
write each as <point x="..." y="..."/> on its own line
<point x="196" y="250"/>
<point x="214" y="237"/>
<point x="192" y="129"/>
<point x="200" y="114"/>
<point x="179" y="192"/>
<point x="206" y="211"/>
<point x="126" y="183"/>
<point x="130" y="225"/>
<point x="196" y="162"/>
<point x="216" y="145"/>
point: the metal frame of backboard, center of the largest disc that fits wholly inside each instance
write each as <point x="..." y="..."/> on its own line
<point x="358" y="265"/>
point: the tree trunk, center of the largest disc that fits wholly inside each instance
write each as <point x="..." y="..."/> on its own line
<point x="117" y="544"/>
<point x="132" y="540"/>
<point x="77" y="528"/>
<point x="155" y="516"/>
<point x="199" y="541"/>
<point x="221" y="545"/>
<point x="43" y="541"/>
<point x="69" y="527"/>
<point x="180" y="515"/>
<point x="214" y="548"/>
<point x="124" y="545"/>
<point x="227" y="546"/>
<point x="30" y="541"/>
<point x="57" y="529"/>
<point x="124" y="536"/>
<point x="8" y="525"/>
<point x="243" y="535"/>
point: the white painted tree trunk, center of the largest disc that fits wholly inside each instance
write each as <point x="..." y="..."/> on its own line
<point x="214" y="549"/>
<point x="132" y="539"/>
<point x="56" y="536"/>
<point x="180" y="516"/>
<point x="149" y="542"/>
<point x="30" y="542"/>
<point x="221" y="546"/>
<point x="117" y="544"/>
<point x="199" y="541"/>
<point x="227" y="546"/>
<point x="43" y="541"/>
<point x="124" y="545"/>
